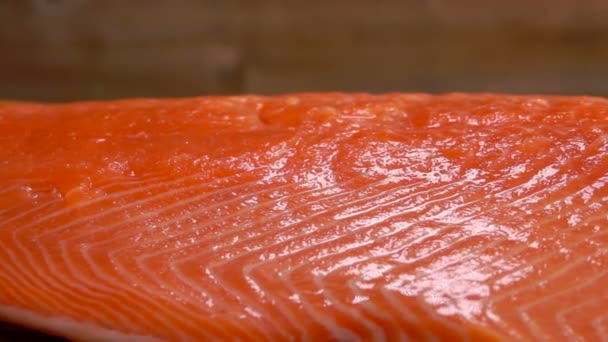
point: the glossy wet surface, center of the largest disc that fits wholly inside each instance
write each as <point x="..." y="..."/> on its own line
<point x="310" y="216"/>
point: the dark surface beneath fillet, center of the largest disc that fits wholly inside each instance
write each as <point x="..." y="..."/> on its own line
<point x="13" y="333"/>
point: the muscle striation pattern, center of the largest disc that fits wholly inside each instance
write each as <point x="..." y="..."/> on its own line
<point x="313" y="217"/>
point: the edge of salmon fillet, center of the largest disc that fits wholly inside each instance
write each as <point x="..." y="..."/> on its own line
<point x="67" y="328"/>
<point x="82" y="331"/>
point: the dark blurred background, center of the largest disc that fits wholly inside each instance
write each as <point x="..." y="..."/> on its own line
<point x="57" y="50"/>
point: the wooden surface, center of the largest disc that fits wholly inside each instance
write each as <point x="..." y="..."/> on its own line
<point x="79" y="49"/>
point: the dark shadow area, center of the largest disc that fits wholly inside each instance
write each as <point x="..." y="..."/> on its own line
<point x="15" y="333"/>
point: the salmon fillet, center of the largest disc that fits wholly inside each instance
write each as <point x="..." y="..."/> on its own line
<point x="315" y="217"/>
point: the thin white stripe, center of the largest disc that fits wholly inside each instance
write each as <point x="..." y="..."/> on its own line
<point x="600" y="327"/>
<point x="250" y="267"/>
<point x="561" y="316"/>
<point x="134" y="204"/>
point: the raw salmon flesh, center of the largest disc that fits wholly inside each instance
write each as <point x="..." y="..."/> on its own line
<point x="319" y="217"/>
